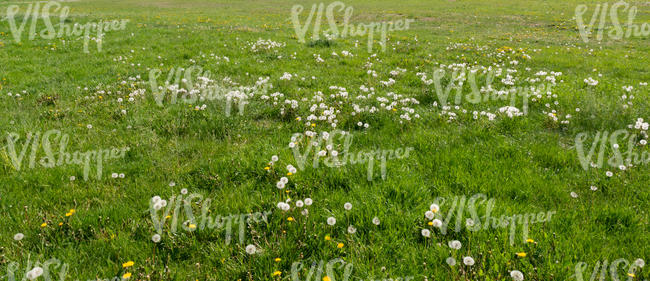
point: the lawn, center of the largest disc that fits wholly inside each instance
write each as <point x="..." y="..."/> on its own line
<point x="214" y="140"/>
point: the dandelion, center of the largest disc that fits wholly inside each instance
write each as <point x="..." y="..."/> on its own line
<point x="172" y="184"/>
<point x="331" y="221"/>
<point x="184" y="191"/>
<point x="328" y="238"/>
<point x="594" y="188"/>
<point x="290" y="219"/>
<point x="277" y="259"/>
<point x="451" y="261"/>
<point x="44" y="224"/>
<point x="530" y="240"/>
<point x="517" y="275"/>
<point x="126" y="275"/>
<point x="436" y="223"/>
<point x="351" y="229"/>
<point x="609" y="174"/>
<point x="299" y="204"/>
<point x="250" y="249"/>
<point x="574" y="195"/>
<point x="279" y="185"/>
<point x="426" y="233"/>
<point x="375" y="221"/>
<point x="347" y="206"/>
<point x="19" y="236"/>
<point x="639" y="262"/>
<point x="521" y="255"/>
<point x="274" y="158"/>
<point x="429" y="215"/>
<point x="434" y="208"/>
<point x="327" y="278"/>
<point x="469" y="261"/>
<point x="455" y="244"/>
<point x="34" y="273"/>
<point x="340" y="245"/>
<point x="128" y="264"/>
<point x="277" y="273"/>
<point x="308" y="201"/>
<point x="155" y="238"/>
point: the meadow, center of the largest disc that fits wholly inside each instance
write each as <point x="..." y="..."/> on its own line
<point x="294" y="155"/>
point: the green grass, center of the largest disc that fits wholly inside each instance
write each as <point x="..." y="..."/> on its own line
<point x="527" y="163"/>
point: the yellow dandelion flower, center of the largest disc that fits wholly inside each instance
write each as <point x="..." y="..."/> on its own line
<point x="430" y="223"/>
<point x="44" y="224"/>
<point x="278" y="259"/>
<point x="340" y="245"/>
<point x="521" y="255"/>
<point x="327" y="238"/>
<point x="128" y="264"/>
<point x="631" y="275"/>
<point x="530" y="240"/>
<point x="60" y="224"/>
<point x="126" y="275"/>
<point x="327" y="278"/>
<point x="192" y="226"/>
<point x="289" y="173"/>
<point x="267" y="168"/>
<point x="277" y="273"/>
<point x="290" y="219"/>
<point x="68" y="214"/>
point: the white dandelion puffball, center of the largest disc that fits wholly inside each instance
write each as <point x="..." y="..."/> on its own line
<point x="155" y="199"/>
<point x="609" y="173"/>
<point x="469" y="222"/>
<point x="426" y="233"/>
<point x="455" y="244"/>
<point x="429" y="215"/>
<point x="299" y="203"/>
<point x="469" y="261"/>
<point x="437" y="223"/>
<point x="184" y="191"/>
<point x="434" y="208"/>
<point x="331" y="221"/>
<point x="517" y="275"/>
<point x="250" y="249"/>
<point x="376" y="221"/>
<point x="305" y="212"/>
<point x="351" y="229"/>
<point x="451" y="261"/>
<point x="347" y="206"/>
<point x="279" y="185"/>
<point x="574" y="195"/>
<point x="284" y="180"/>
<point x="34" y="273"/>
<point x="308" y="201"/>
<point x="19" y="236"/>
<point x="172" y="184"/>
<point x="639" y="263"/>
<point x="155" y="238"/>
<point x="274" y="158"/>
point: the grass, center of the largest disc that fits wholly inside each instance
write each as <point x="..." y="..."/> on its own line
<point x="527" y="164"/>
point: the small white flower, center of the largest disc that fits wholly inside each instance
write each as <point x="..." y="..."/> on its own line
<point x="34" y="273"/>
<point x="517" y="275"/>
<point x="114" y="175"/>
<point x="19" y="236"/>
<point x="639" y="263"/>
<point x="155" y="238"/>
<point x="469" y="261"/>
<point x="426" y="233"/>
<point x="308" y="201"/>
<point x="594" y="188"/>
<point x="250" y="249"/>
<point x="455" y="244"/>
<point x="347" y="206"/>
<point x="89" y="126"/>
<point x="121" y="175"/>
<point x="376" y="221"/>
<point x="451" y="261"/>
<point x="351" y="229"/>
